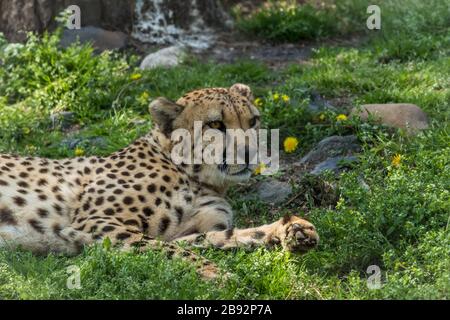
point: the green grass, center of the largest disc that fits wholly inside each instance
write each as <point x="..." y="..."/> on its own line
<point x="288" y="21"/>
<point x="400" y="223"/>
<point x="280" y="21"/>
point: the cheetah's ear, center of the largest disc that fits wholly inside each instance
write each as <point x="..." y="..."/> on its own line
<point x="164" y="112"/>
<point x="242" y="90"/>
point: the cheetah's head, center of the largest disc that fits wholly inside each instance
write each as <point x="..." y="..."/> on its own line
<point x="218" y="110"/>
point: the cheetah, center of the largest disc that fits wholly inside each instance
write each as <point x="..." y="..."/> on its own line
<point x="138" y="197"/>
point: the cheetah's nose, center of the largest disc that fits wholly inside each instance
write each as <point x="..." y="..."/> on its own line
<point x="305" y="240"/>
<point x="311" y="242"/>
<point x="300" y="236"/>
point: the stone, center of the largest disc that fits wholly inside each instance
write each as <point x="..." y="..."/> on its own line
<point x="72" y="143"/>
<point x="273" y="191"/>
<point x="101" y="39"/>
<point x="97" y="142"/>
<point x="167" y="57"/>
<point x="398" y="115"/>
<point x="330" y="147"/>
<point x="317" y="103"/>
<point x="334" y="164"/>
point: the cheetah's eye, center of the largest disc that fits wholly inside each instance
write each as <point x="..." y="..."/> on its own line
<point x="253" y="121"/>
<point x="218" y="125"/>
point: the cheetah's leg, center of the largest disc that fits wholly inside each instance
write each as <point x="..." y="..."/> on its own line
<point x="292" y="233"/>
<point x="205" y="268"/>
<point x="210" y="213"/>
<point x="74" y="239"/>
<point x="131" y="238"/>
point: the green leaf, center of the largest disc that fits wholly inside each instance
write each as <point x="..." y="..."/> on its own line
<point x="106" y="244"/>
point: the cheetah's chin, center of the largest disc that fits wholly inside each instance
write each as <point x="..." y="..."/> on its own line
<point x="238" y="177"/>
<point x="244" y="172"/>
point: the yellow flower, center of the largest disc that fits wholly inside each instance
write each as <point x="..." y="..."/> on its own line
<point x="260" y="168"/>
<point x="322" y="117"/>
<point x="285" y="98"/>
<point x="276" y="97"/>
<point x="144" y="96"/>
<point x="290" y="144"/>
<point x="258" y="102"/>
<point x="135" y="76"/>
<point x="397" y="160"/>
<point x="341" y="117"/>
<point x="79" y="152"/>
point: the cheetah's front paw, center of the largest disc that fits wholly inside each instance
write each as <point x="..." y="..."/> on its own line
<point x="297" y="235"/>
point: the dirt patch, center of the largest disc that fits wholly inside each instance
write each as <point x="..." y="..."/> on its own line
<point x="232" y="47"/>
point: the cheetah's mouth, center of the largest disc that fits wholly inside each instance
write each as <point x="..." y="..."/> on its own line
<point x="224" y="168"/>
<point x="242" y="172"/>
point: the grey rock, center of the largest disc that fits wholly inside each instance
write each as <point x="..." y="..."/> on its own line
<point x="334" y="146"/>
<point x="273" y="191"/>
<point x="98" y="142"/>
<point x="167" y="57"/>
<point x="100" y="39"/>
<point x="399" y="115"/>
<point x="318" y="103"/>
<point x="335" y="164"/>
<point x="72" y="143"/>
